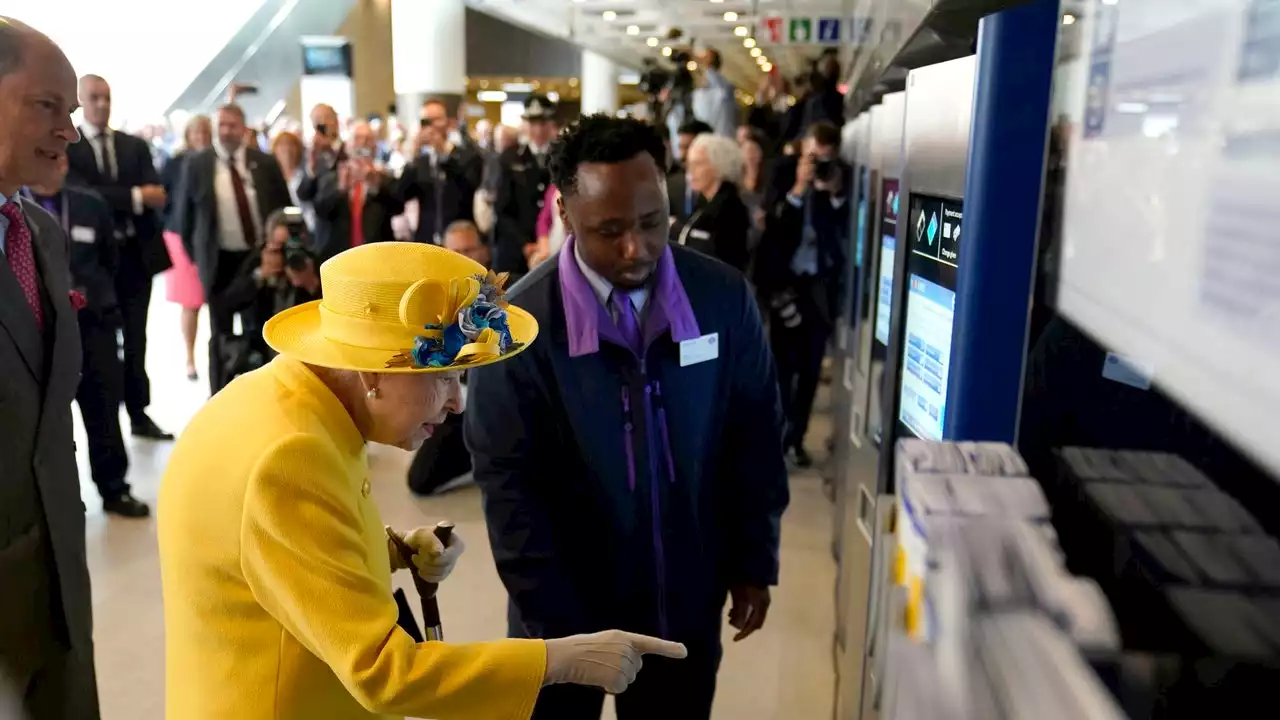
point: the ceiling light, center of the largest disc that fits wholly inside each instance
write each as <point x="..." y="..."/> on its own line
<point x="741" y="31"/>
<point x="748" y="42"/>
<point x="666" y="51"/>
<point x="652" y="42"/>
<point x="756" y="52"/>
<point x="1068" y="19"/>
<point x="767" y="67"/>
<point x="573" y="82"/>
<point x="691" y="66"/>
<point x="730" y="16"/>
<point x="609" y="15"/>
<point x="716" y="2"/>
<point x="762" y="60"/>
<point x="491" y="96"/>
<point x="633" y="29"/>
<point x="553" y="96"/>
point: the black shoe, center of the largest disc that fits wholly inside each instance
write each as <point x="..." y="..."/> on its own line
<point x="144" y="427"/>
<point x="126" y="506"/>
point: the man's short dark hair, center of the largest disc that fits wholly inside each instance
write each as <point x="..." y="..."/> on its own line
<point x="694" y="128"/>
<point x="234" y="109"/>
<point x="602" y="138"/>
<point x="825" y="134"/>
<point x="713" y="58"/>
<point x="12" y="45"/>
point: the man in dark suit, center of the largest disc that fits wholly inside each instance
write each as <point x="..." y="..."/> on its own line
<point x="119" y="167"/>
<point x="228" y="190"/>
<point x="521" y="188"/>
<point x="443" y="178"/>
<point x="46" y="620"/>
<point x="800" y="270"/>
<point x="86" y="220"/>
<point x="355" y="204"/>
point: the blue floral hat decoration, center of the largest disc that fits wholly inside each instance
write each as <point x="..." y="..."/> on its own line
<point x="404" y="307"/>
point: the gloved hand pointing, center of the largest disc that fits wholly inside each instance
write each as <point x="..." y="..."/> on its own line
<point x="607" y="660"/>
<point x="431" y="559"/>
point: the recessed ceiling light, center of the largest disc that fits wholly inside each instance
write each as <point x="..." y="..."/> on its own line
<point x="767" y="67"/>
<point x="756" y="52"/>
<point x="691" y="66"/>
<point x="651" y="42"/>
<point x="748" y="42"/>
<point x="741" y="31"/>
<point x="730" y="16"/>
<point x="633" y="29"/>
<point x="609" y="15"/>
<point x="666" y="51"/>
<point x="573" y="82"/>
<point x="716" y="2"/>
<point x="1068" y="19"/>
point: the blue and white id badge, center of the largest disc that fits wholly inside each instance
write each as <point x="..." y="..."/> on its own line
<point x="1127" y="371"/>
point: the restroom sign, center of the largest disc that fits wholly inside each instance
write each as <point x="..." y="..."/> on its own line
<point x="770" y="30"/>
<point x="801" y="31"/>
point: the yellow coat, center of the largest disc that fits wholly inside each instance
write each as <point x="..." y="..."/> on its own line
<point x="277" y="584"/>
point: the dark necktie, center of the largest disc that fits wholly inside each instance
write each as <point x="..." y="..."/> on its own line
<point x="22" y="259"/>
<point x="625" y="318"/>
<point x="242" y="205"/>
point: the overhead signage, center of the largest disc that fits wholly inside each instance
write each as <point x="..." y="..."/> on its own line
<point x="826" y="30"/>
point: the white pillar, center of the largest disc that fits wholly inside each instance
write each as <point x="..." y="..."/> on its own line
<point x="428" y="54"/>
<point x="599" y="84"/>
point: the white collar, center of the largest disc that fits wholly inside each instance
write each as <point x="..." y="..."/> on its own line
<point x="603" y="288"/>
<point x="223" y="155"/>
<point x="92" y="132"/>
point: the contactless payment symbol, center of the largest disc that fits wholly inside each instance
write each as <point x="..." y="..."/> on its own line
<point x="895" y="203"/>
<point x="920" y="227"/>
<point x="933" y="227"/>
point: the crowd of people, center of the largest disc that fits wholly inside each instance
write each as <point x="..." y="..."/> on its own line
<point x="682" y="288"/>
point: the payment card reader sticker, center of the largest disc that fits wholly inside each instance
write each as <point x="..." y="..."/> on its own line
<point x="1127" y="371"/>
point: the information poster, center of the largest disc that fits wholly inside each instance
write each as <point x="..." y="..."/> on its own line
<point x="888" y="247"/>
<point x="935" y="233"/>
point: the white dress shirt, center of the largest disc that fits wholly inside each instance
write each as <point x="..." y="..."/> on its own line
<point x="230" y="232"/>
<point x="103" y="142"/>
<point x="604" y="289"/>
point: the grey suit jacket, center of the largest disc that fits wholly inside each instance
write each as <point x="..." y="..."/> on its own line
<point x="42" y="543"/>
<point x="197" y="204"/>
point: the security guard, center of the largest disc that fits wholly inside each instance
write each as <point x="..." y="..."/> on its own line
<point x="87" y="222"/>
<point x="522" y="185"/>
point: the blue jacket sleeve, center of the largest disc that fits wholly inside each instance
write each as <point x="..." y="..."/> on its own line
<point x="756" y="484"/>
<point x="504" y="406"/>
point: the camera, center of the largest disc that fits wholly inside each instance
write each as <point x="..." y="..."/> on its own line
<point x="297" y="250"/>
<point x="826" y="171"/>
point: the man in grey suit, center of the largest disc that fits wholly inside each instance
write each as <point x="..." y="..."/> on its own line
<point x="46" y="624"/>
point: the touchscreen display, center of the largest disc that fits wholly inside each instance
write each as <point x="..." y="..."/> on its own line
<point x="934" y="233"/>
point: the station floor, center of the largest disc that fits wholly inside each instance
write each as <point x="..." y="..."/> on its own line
<point x="784" y="671"/>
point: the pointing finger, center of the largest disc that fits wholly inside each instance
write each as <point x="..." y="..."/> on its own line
<point x="653" y="646"/>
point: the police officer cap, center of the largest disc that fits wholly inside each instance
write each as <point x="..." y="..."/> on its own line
<point x="538" y="107"/>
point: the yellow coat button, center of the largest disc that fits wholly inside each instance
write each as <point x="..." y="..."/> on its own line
<point x="366" y="488"/>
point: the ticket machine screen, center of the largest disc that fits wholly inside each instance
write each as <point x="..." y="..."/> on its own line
<point x="934" y="239"/>
<point x="888" y="245"/>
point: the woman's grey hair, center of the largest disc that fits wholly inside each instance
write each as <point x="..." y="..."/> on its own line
<point x="192" y="123"/>
<point x="724" y="155"/>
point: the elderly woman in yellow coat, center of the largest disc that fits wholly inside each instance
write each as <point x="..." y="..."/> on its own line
<point x="275" y="562"/>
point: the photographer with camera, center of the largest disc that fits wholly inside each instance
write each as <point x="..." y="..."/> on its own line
<point x="799" y="269"/>
<point x="277" y="275"/>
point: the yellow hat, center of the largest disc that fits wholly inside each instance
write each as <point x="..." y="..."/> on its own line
<point x="403" y="307"/>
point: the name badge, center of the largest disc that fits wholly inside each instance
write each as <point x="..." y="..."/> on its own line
<point x="699" y="350"/>
<point x="699" y="234"/>
<point x="1127" y="371"/>
<point x="83" y="234"/>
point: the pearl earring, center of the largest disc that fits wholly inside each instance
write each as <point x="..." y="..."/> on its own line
<point x="372" y="394"/>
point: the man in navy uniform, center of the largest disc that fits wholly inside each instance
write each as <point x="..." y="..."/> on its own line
<point x="631" y="460"/>
<point x="86" y="220"/>
<point x="522" y="183"/>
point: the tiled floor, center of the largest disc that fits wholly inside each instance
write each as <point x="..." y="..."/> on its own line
<point x="785" y="671"/>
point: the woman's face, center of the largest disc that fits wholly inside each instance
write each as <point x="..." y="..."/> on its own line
<point x="698" y="167"/>
<point x="200" y="136"/>
<point x="410" y="406"/>
<point x="752" y="155"/>
<point x="288" y="155"/>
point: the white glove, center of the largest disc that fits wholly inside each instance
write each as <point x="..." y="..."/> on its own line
<point x="431" y="559"/>
<point x="608" y="660"/>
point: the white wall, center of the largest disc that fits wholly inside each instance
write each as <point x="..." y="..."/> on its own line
<point x="143" y="48"/>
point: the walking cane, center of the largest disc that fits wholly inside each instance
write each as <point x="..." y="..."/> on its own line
<point x="426" y="590"/>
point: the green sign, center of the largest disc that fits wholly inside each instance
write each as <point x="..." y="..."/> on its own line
<point x="801" y="30"/>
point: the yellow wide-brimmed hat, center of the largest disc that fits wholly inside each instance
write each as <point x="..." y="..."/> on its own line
<point x="399" y="307"/>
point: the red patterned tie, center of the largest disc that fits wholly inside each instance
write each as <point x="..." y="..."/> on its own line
<point x="22" y="259"/>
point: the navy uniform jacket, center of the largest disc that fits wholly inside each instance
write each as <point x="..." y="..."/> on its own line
<point x="92" y="248"/>
<point x="521" y="191"/>
<point x="621" y="493"/>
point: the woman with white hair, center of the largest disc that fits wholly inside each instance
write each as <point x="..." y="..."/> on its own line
<point x="720" y="228"/>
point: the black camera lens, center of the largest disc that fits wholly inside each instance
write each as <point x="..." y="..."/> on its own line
<point x="826" y="170"/>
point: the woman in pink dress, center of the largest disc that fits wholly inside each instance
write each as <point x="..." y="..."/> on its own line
<point x="182" y="281"/>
